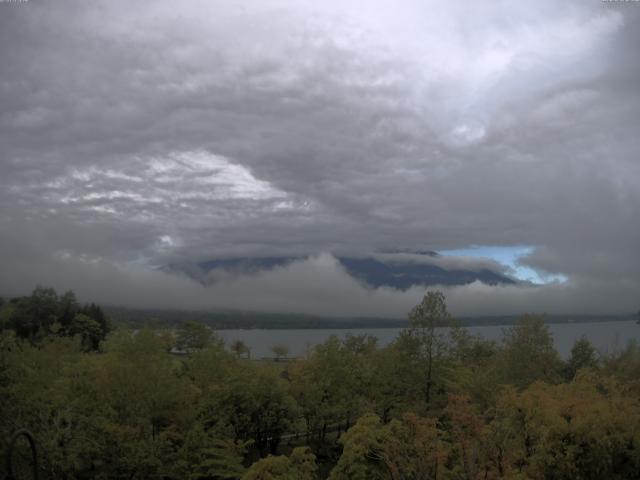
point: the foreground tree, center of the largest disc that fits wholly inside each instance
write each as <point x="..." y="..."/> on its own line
<point x="624" y="365"/>
<point x="44" y="314"/>
<point x="33" y="317"/>
<point x="87" y="329"/>
<point x="240" y="348"/>
<point x="194" y="336"/>
<point x="587" y="429"/>
<point x="428" y="343"/>
<point x="301" y="464"/>
<point x="583" y="355"/>
<point x="331" y="387"/>
<point x="469" y="440"/>
<point x="402" y="449"/>
<point x="206" y="455"/>
<point x="528" y="353"/>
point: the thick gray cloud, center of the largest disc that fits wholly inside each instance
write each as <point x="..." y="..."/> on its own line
<point x="136" y="134"/>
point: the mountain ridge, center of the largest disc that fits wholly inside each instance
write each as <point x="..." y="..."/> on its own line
<point x="373" y="272"/>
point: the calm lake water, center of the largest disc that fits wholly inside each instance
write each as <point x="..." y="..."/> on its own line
<point x="605" y="336"/>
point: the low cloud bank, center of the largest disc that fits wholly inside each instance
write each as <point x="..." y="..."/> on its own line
<point x="318" y="285"/>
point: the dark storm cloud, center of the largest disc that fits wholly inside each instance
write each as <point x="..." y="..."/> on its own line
<point x="133" y="135"/>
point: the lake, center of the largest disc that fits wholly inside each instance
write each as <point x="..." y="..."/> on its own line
<point x="605" y="336"/>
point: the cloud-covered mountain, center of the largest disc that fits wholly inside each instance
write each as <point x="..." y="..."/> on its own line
<point x="397" y="269"/>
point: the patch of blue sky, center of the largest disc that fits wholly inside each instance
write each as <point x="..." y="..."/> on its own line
<point x="509" y="256"/>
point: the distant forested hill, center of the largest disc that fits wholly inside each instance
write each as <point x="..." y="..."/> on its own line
<point x="231" y="319"/>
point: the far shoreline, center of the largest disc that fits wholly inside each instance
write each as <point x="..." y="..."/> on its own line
<point x="238" y="320"/>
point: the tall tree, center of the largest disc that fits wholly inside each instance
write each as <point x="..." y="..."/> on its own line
<point x="194" y="336"/>
<point x="583" y="355"/>
<point x="34" y="316"/>
<point x="430" y="343"/>
<point x="528" y="353"/>
<point x="240" y="348"/>
<point x="67" y="310"/>
<point x="401" y="449"/>
<point x="87" y="329"/>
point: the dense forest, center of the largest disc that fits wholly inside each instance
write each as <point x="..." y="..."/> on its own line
<point x="437" y="403"/>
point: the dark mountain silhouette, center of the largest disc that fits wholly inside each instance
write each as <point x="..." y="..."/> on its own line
<point x="370" y="271"/>
<point x="376" y="273"/>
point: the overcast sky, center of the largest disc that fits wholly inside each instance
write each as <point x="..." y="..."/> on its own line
<point x="134" y="134"/>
